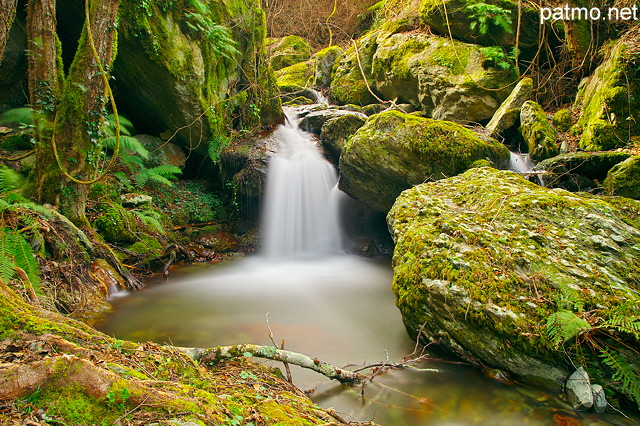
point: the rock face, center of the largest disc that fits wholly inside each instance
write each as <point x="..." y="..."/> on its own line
<point x="394" y="151"/>
<point x="335" y="132"/>
<point x="444" y="80"/>
<point x="539" y="135"/>
<point x="579" y="171"/>
<point x="508" y="115"/>
<point x="182" y="69"/>
<point x="287" y="51"/>
<point x="610" y="101"/>
<point x="506" y="273"/>
<point x="325" y="59"/>
<point x="624" y="179"/>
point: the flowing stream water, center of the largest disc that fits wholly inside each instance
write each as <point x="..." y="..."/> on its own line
<point x="328" y="305"/>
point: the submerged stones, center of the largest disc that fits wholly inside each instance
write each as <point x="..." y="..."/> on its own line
<point x="506" y="273"/>
<point x="394" y="151"/>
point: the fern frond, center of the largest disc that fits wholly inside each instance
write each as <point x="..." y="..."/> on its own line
<point x="624" y="324"/>
<point x="9" y="179"/>
<point x="126" y="126"/>
<point x="6" y="261"/>
<point x="624" y="372"/>
<point x="151" y="219"/>
<point x="128" y="146"/>
<point x="160" y="179"/>
<point x="166" y="170"/>
<point x="17" y="115"/>
<point x="24" y="257"/>
<point x="563" y="326"/>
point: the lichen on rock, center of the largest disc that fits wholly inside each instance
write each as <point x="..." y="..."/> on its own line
<point x="287" y="51"/>
<point x="624" y="179"/>
<point x="538" y="133"/>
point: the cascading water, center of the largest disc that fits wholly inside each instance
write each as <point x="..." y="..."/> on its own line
<point x="300" y="216"/>
<point x="521" y="163"/>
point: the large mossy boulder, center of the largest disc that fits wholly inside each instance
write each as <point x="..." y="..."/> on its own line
<point x="624" y="179"/>
<point x="335" y="132"/>
<point x="296" y="81"/>
<point x="579" y="171"/>
<point x="194" y="71"/>
<point x="325" y="60"/>
<point x="287" y="51"/>
<point x="394" y="151"/>
<point x="445" y="80"/>
<point x="489" y="23"/>
<point x="508" y="274"/>
<point x="539" y="135"/>
<point x="610" y="100"/>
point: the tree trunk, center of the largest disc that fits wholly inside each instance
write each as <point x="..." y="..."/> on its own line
<point x="77" y="130"/>
<point x="7" y="14"/>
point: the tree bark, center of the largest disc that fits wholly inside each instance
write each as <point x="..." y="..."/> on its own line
<point x="7" y="15"/>
<point x="79" y="118"/>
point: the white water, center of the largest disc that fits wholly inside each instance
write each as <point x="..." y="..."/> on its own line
<point x="521" y="163"/>
<point x="300" y="215"/>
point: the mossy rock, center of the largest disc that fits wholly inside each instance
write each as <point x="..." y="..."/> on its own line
<point x="287" y="51"/>
<point x="624" y="179"/>
<point x="336" y="132"/>
<point x="610" y="102"/>
<point x="579" y="171"/>
<point x="325" y="60"/>
<point x="296" y="78"/>
<point x="508" y="115"/>
<point x="487" y="264"/>
<point x="394" y="151"/>
<point x="562" y="120"/>
<point x="539" y="135"/>
<point x="116" y="225"/>
<point x="464" y="20"/>
<point x="444" y="80"/>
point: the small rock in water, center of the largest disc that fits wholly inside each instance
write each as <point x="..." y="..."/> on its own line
<point x="579" y="390"/>
<point x="599" y="399"/>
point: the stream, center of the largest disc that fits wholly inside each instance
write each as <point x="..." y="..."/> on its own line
<point x="328" y="305"/>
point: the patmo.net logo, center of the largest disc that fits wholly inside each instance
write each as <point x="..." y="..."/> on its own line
<point x="568" y="13"/>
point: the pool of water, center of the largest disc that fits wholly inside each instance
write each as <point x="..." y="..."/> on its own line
<point x="340" y="310"/>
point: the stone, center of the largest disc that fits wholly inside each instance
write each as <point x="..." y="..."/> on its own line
<point x="562" y="120"/>
<point x="336" y="131"/>
<point x="599" y="399"/>
<point x="394" y="151"/>
<point x="313" y="121"/>
<point x="296" y="80"/>
<point x="624" y="179"/>
<point x="539" y="135"/>
<point x="475" y="254"/>
<point x="578" y="171"/>
<point x="219" y="241"/>
<point x="135" y="199"/>
<point x="287" y="51"/>
<point x="609" y="101"/>
<point x="325" y="61"/>
<point x="162" y="152"/>
<point x="579" y="390"/>
<point x="508" y="115"/>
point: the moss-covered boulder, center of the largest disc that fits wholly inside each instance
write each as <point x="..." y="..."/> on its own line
<point x="509" y="274"/>
<point x="562" y="120"/>
<point x="191" y="70"/>
<point x="394" y="151"/>
<point x="335" y="133"/>
<point x="489" y="23"/>
<point x="296" y="80"/>
<point x="287" y="51"/>
<point x="624" y="179"/>
<point x="538" y="133"/>
<point x="445" y="80"/>
<point x="313" y="121"/>
<point x="579" y="171"/>
<point x="508" y="115"/>
<point x="325" y="60"/>
<point x="610" y="101"/>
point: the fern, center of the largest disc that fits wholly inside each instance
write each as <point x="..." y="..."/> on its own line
<point x="128" y="146"/>
<point x="16" y="251"/>
<point x="486" y="15"/>
<point x="623" y="372"/>
<point x="219" y="38"/>
<point x="6" y="260"/>
<point x="630" y="325"/>
<point x="216" y="145"/>
<point x="126" y="126"/>
<point x="563" y="326"/>
<point x="496" y="55"/>
<point x="17" y="115"/>
<point x="161" y="174"/>
<point x="150" y="218"/>
<point x="9" y="179"/>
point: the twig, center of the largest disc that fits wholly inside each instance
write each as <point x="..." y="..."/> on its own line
<point x="286" y="365"/>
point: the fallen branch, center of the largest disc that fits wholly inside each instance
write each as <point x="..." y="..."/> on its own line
<point x="269" y="352"/>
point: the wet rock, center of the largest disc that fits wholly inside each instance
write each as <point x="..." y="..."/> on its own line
<point x="219" y="241"/>
<point x="624" y="179"/>
<point x="508" y="115"/>
<point x="599" y="399"/>
<point x="107" y="276"/>
<point x="296" y="80"/>
<point x="394" y="151"/>
<point x="314" y="121"/>
<point x="539" y="135"/>
<point x="336" y="131"/>
<point x="482" y="258"/>
<point x="579" y="390"/>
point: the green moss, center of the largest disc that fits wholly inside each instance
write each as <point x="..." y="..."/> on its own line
<point x="347" y="84"/>
<point x="562" y="120"/>
<point x="116" y="225"/>
<point x="296" y="77"/>
<point x="537" y="132"/>
<point x="73" y="406"/>
<point x="288" y="51"/>
<point x="624" y="179"/>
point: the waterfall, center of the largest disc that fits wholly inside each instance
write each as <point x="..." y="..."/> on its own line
<point x="521" y="163"/>
<point x="300" y="214"/>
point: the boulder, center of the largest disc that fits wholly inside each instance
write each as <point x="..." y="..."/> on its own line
<point x="296" y="80"/>
<point x="579" y="171"/>
<point x="162" y="152"/>
<point x="579" y="390"/>
<point x="508" y="115"/>
<point x="488" y="23"/>
<point x="134" y="199"/>
<point x="539" y="135"/>
<point x="313" y="121"/>
<point x="562" y="120"/>
<point x="325" y="60"/>
<point x="287" y="51"/>
<point x="336" y="131"/>
<point x="445" y="80"/>
<point x="219" y="241"/>
<point x="609" y="102"/>
<point x="394" y="151"/>
<point x="506" y="273"/>
<point x="624" y="179"/>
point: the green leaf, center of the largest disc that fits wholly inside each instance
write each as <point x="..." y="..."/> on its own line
<point x="563" y="326"/>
